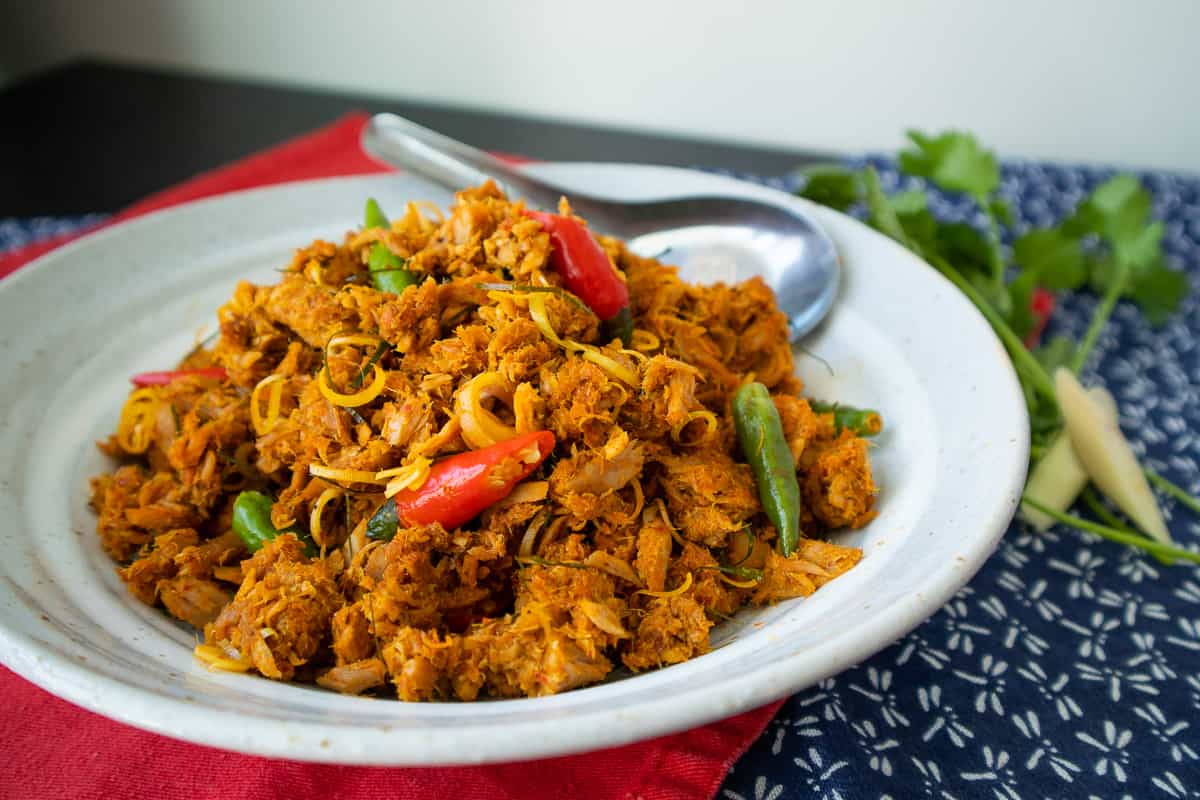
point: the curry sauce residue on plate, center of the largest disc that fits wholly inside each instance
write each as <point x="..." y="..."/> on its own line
<point x="627" y="543"/>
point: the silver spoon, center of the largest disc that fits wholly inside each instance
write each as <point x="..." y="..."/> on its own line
<point x="709" y="237"/>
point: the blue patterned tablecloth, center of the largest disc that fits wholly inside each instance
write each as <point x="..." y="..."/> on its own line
<point x="1069" y="667"/>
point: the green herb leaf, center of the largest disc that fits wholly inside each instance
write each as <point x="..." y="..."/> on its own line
<point x="964" y="246"/>
<point x="384" y="522"/>
<point x="1118" y="211"/>
<point x="831" y="185"/>
<point x="1002" y="211"/>
<point x="1141" y="249"/>
<point x="1121" y="205"/>
<point x="880" y="213"/>
<point x="910" y="201"/>
<point x="997" y="296"/>
<point x="1020" y="293"/>
<point x="1100" y="269"/>
<point x="921" y="229"/>
<point x="953" y="161"/>
<point x="1158" y="291"/>
<point x="1055" y="353"/>
<point x="1053" y="256"/>
<point x="1044" y="418"/>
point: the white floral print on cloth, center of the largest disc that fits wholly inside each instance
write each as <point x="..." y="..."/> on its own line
<point x="17" y="232"/>
<point x="1069" y="667"/>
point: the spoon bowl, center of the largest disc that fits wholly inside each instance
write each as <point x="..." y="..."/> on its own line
<point x="711" y="237"/>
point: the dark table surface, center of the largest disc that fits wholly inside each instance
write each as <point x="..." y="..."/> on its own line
<point x="93" y="136"/>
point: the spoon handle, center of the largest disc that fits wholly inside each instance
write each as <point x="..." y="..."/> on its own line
<point x="399" y="142"/>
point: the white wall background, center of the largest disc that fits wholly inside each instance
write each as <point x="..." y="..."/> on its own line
<point x="1077" y="80"/>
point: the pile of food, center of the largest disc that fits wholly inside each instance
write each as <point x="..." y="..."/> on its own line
<point x="481" y="455"/>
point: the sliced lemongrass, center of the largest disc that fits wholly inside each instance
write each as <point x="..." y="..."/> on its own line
<point x="606" y="363"/>
<point x="607" y="562"/>
<point x="315" y="526"/>
<point x="1056" y="480"/>
<point x="529" y="539"/>
<point x="344" y="475"/>
<point x="1107" y="456"/>
<point x="710" y="422"/>
<point x="261" y="423"/>
<point x="541" y="318"/>
<point x="677" y="591"/>
<point x="603" y="618"/>
<point x="216" y="659"/>
<point x="644" y="340"/>
<point x="413" y="477"/>
<point x="353" y="399"/>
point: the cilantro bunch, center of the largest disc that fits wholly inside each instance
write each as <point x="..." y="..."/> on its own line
<point x="1109" y="245"/>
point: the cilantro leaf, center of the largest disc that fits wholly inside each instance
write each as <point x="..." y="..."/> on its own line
<point x="953" y="161"/>
<point x="1020" y="293"/>
<point x="1054" y="257"/>
<point x="880" y="213"/>
<point x="1002" y="211"/>
<point x="996" y="294"/>
<point x="831" y="185"/>
<point x="919" y="226"/>
<point x="1100" y="268"/>
<point x="911" y="201"/>
<point x="1055" y="353"/>
<point x="1044" y="420"/>
<point x="1121" y="205"/>
<point x="1158" y="292"/>
<point x="1117" y="211"/>
<point x="964" y="246"/>
<point x="1141" y="248"/>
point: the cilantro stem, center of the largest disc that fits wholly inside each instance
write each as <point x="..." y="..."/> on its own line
<point x="1113" y="534"/>
<point x="1024" y="360"/>
<point x="995" y="255"/>
<point x="1178" y="492"/>
<point x="1092" y="501"/>
<point x="883" y="216"/>
<point x="1100" y="317"/>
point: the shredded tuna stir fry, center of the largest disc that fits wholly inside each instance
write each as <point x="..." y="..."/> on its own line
<point x="422" y="462"/>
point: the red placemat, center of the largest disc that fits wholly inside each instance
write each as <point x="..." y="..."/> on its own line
<point x="56" y="750"/>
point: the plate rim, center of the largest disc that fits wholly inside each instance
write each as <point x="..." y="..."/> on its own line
<point x="81" y="686"/>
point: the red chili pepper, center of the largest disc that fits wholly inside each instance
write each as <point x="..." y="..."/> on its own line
<point x="460" y="487"/>
<point x="584" y="266"/>
<point x="163" y="378"/>
<point x="1041" y="305"/>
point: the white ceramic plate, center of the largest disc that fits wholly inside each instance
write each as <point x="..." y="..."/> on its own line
<point x="77" y="323"/>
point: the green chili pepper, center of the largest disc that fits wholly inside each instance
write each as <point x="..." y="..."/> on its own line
<point x="387" y="269"/>
<point x="252" y="523"/>
<point x="375" y="216"/>
<point x="760" y="434"/>
<point x="862" y="421"/>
